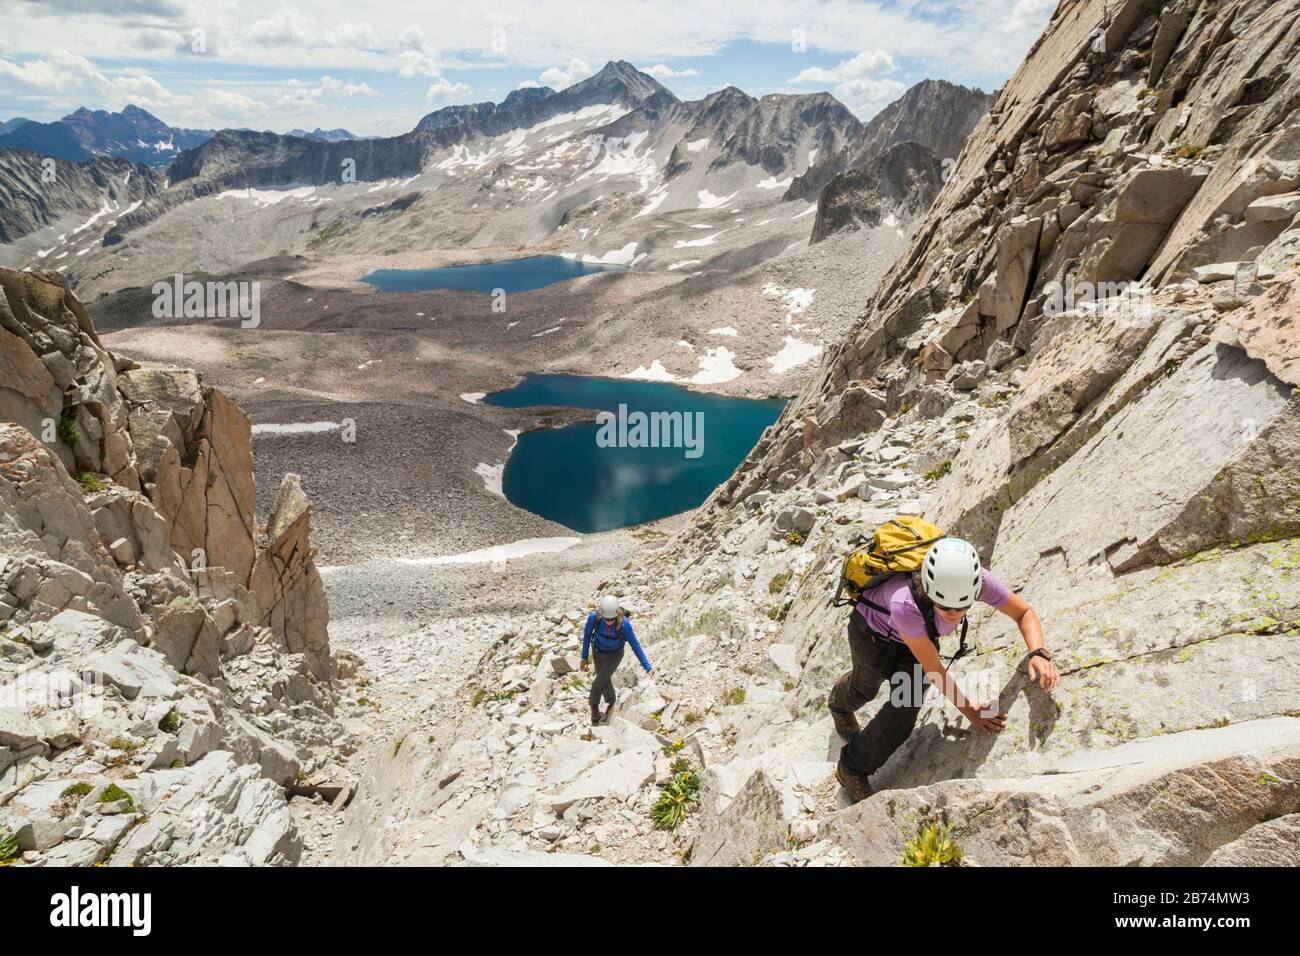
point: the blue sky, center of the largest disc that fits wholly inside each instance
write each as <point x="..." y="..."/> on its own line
<point x="376" y="68"/>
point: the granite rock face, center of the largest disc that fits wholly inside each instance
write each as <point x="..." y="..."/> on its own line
<point x="1086" y="365"/>
<point x="156" y="694"/>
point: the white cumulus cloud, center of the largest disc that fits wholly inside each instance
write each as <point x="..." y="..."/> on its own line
<point x="558" y="78"/>
<point x="663" y="72"/>
<point x="443" y="91"/>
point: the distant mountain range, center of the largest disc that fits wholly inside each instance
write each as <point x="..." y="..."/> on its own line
<point x="133" y="134"/>
<point x="339" y="135"/>
<point x="774" y="132"/>
<point x="7" y="125"/>
<point x="688" y="152"/>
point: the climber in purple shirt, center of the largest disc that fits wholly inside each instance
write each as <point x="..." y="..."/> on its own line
<point x="890" y="637"/>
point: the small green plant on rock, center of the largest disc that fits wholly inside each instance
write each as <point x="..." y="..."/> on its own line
<point x="939" y="470"/>
<point x="89" y="482"/>
<point x="8" y="847"/>
<point x="778" y="583"/>
<point x="79" y="789"/>
<point x="794" y="537"/>
<point x="733" y="696"/>
<point x="932" y="846"/>
<point x="67" y="429"/>
<point x="677" y="798"/>
<point x="171" y="721"/>
<point x="113" y="793"/>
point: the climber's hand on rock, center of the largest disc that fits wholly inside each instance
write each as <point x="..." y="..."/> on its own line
<point x="984" y="717"/>
<point x="1045" y="672"/>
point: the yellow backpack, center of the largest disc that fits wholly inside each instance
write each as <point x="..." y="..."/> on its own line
<point x="897" y="547"/>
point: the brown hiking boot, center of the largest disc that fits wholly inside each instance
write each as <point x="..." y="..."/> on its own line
<point x="856" y="785"/>
<point x="609" y="712"/>
<point x="846" y="725"/>
<point x="595" y="716"/>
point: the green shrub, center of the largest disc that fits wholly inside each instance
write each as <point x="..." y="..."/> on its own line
<point x="67" y="429"/>
<point x="779" y="612"/>
<point x="112" y="793"/>
<point x="794" y="537"/>
<point x="89" y="481"/>
<point x="171" y="721"/>
<point x="933" y="846"/>
<point x="677" y="798"/>
<point x="939" y="470"/>
<point x="778" y="583"/>
<point x="734" y="696"/>
<point x="76" y="790"/>
<point x="124" y="744"/>
<point x="8" y="847"/>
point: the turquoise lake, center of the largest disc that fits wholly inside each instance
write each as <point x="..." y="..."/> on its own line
<point x="565" y="475"/>
<point x="512" y="275"/>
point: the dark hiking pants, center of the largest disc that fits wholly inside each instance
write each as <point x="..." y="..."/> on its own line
<point x="877" y="661"/>
<point x="603" y="683"/>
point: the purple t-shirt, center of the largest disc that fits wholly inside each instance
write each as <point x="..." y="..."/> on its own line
<point x="905" y="617"/>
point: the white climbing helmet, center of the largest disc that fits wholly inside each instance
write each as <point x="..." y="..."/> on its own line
<point x="609" y="607"/>
<point x="950" y="574"/>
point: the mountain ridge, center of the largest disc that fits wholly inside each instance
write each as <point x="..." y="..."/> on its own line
<point x="133" y="134"/>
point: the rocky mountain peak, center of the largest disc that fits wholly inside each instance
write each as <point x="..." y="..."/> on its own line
<point x="934" y="113"/>
<point x="526" y="96"/>
<point x="133" y="133"/>
<point x="621" y="80"/>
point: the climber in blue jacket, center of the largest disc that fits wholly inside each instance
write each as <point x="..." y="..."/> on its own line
<point x="610" y="630"/>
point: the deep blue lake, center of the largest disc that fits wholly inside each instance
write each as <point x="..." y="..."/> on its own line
<point x="512" y="275"/>
<point x="565" y="474"/>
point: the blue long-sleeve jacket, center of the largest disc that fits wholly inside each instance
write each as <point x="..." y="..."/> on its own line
<point x="608" y="640"/>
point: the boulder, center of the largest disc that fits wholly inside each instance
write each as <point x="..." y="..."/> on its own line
<point x="757" y="820"/>
<point x="187" y="637"/>
<point x="618" y="777"/>
<point x="1224" y="417"/>
<point x="1168" y="801"/>
<point x="219" y="809"/>
<point x="134" y="670"/>
<point x="288" y="587"/>
<point x="1016" y="262"/>
<point x="1275" y="843"/>
<point x="784" y="659"/>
